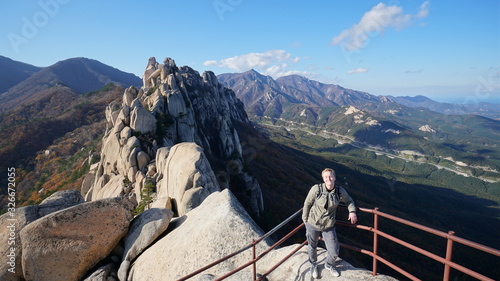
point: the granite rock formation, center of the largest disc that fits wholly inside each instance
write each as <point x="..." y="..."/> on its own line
<point x="152" y="125"/>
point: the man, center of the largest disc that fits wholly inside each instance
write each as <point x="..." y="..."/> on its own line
<point x="318" y="214"/>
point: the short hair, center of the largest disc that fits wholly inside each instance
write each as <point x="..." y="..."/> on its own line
<point x="328" y="170"/>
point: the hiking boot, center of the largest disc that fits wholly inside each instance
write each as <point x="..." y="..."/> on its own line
<point x="314" y="270"/>
<point x="332" y="270"/>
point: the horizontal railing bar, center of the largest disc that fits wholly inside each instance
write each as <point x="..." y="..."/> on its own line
<point x="214" y="263"/>
<point x="240" y="250"/>
<point x="379" y="258"/>
<point x="410" y="246"/>
<point x="366" y="252"/>
<point x="397" y="268"/>
<point x="270" y="232"/>
<point x="281" y="240"/>
<point x="282" y="261"/>
<point x="438" y="233"/>
<point x="407" y="222"/>
<point x="261" y="255"/>
<point x="429" y="254"/>
<point x="475" y="245"/>
<point x="364" y="227"/>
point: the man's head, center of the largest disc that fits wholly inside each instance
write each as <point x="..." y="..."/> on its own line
<point x="328" y="176"/>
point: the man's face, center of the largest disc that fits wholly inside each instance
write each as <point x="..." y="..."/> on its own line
<point x="329" y="179"/>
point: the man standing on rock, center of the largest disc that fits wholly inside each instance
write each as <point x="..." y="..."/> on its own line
<point x="318" y="215"/>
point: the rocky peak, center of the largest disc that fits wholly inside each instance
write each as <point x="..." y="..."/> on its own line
<point x="144" y="145"/>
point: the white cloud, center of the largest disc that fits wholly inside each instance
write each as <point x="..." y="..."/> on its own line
<point x="280" y="70"/>
<point x="273" y="62"/>
<point x="210" y="62"/>
<point x="358" y="70"/>
<point x="376" y="21"/>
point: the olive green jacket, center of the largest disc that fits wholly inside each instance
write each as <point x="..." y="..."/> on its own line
<point x="319" y="209"/>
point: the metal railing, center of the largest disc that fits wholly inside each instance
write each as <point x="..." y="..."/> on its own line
<point x="251" y="245"/>
<point x="448" y="263"/>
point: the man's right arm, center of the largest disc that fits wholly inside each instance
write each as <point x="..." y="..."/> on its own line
<point x="311" y="196"/>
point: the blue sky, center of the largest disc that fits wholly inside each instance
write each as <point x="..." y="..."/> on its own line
<point x="446" y="50"/>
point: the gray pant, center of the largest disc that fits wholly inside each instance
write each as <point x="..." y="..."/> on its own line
<point x="331" y="242"/>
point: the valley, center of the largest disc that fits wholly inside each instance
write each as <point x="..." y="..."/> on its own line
<point x="451" y="165"/>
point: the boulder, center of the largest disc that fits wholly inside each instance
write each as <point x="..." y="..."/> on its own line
<point x="176" y="104"/>
<point x="158" y="105"/>
<point x="87" y="182"/>
<point x="142" y="120"/>
<point x="111" y="112"/>
<point x="144" y="229"/>
<point x="14" y="222"/>
<point x="124" y="115"/>
<point x="125" y="134"/>
<point x="58" y="201"/>
<point x="216" y="228"/>
<point x="161" y="159"/>
<point x="150" y="68"/>
<point x="129" y="95"/>
<point x="110" y="153"/>
<point x="187" y="178"/>
<point x="66" y="244"/>
<point x="10" y="247"/>
<point x="113" y="188"/>
<point x="103" y="273"/>
<point x="142" y="160"/>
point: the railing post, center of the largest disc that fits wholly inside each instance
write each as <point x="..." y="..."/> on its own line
<point x="449" y="252"/>
<point x="375" y="241"/>
<point x="254" y="262"/>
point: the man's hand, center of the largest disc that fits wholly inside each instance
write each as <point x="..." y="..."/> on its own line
<point x="353" y="218"/>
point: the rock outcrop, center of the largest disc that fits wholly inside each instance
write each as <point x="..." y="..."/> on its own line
<point x="11" y="250"/>
<point x="144" y="229"/>
<point x="187" y="179"/>
<point x="218" y="227"/>
<point x="66" y="244"/>
<point x="175" y="106"/>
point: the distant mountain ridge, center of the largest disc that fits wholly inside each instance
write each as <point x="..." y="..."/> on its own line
<point x="257" y="90"/>
<point x="485" y="109"/>
<point x="380" y="122"/>
<point x="80" y="74"/>
<point x="14" y="72"/>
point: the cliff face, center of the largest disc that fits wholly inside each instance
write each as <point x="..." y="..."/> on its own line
<point x="145" y="142"/>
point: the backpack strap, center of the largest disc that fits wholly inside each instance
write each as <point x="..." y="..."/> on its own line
<point x="320" y="191"/>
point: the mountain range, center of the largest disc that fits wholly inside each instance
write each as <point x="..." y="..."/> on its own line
<point x="489" y="110"/>
<point x="257" y="90"/>
<point x="383" y="123"/>
<point x="40" y="105"/>
<point x="80" y="74"/>
<point x="411" y="161"/>
<point x="14" y="72"/>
